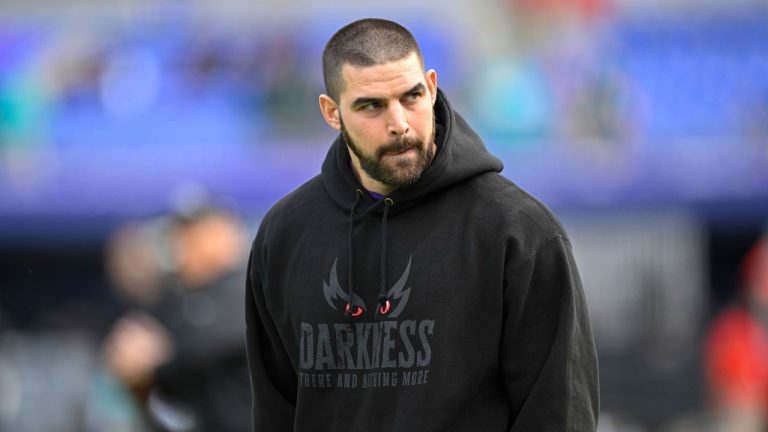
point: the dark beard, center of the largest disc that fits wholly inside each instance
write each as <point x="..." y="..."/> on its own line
<point x="400" y="175"/>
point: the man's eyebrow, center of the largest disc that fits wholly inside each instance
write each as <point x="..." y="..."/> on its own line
<point x="415" y="89"/>
<point x="366" y="100"/>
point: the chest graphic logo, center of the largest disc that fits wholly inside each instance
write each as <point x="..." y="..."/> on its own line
<point x="336" y="297"/>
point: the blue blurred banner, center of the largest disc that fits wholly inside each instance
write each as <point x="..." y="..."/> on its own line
<point x="111" y="119"/>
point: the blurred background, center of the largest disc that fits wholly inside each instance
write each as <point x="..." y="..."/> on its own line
<point x="142" y="141"/>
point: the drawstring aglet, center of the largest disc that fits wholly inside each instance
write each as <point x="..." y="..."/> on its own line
<point x="384" y="304"/>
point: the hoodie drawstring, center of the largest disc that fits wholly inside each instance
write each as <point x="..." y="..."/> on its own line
<point x="383" y="301"/>
<point x="348" y="312"/>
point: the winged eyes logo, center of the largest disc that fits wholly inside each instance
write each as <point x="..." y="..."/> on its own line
<point x="366" y="354"/>
<point x="398" y="295"/>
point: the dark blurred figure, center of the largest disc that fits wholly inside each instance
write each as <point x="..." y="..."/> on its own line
<point x="737" y="351"/>
<point x="181" y="352"/>
<point x="137" y="343"/>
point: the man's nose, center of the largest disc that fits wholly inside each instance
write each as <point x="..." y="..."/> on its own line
<point x="398" y="122"/>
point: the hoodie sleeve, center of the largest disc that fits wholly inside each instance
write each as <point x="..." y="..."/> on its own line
<point x="273" y="380"/>
<point x="547" y="353"/>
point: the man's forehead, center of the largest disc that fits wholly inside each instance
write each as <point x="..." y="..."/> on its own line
<point x="382" y="80"/>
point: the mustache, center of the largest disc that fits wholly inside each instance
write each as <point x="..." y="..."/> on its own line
<point x="400" y="144"/>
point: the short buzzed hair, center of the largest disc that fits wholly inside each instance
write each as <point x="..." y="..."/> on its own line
<point x="366" y="42"/>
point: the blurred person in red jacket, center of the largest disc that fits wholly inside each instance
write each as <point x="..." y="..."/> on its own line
<point x="736" y="350"/>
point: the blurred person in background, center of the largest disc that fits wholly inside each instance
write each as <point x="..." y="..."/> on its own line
<point x="409" y="286"/>
<point x="181" y="351"/>
<point x="134" y="272"/>
<point x="736" y="351"/>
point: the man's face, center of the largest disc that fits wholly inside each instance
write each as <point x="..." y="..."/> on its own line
<point x="385" y="113"/>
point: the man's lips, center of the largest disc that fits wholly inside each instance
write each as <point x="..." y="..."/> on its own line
<point x="400" y="152"/>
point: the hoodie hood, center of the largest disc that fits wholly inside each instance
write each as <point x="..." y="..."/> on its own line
<point x="460" y="155"/>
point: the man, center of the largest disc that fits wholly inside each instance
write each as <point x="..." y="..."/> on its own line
<point x="179" y="350"/>
<point x="736" y="350"/>
<point x="409" y="286"/>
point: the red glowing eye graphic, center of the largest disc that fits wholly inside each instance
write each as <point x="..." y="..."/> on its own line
<point x="357" y="312"/>
<point x="385" y="307"/>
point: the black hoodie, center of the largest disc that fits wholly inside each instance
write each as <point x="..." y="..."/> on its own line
<point x="466" y="311"/>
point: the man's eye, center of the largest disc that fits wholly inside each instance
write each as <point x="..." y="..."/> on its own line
<point x="412" y="97"/>
<point x="370" y="106"/>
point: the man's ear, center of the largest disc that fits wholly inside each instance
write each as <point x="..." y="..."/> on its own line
<point x="330" y="111"/>
<point x="431" y="77"/>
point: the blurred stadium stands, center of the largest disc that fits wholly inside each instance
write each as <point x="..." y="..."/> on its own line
<point x="644" y="124"/>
